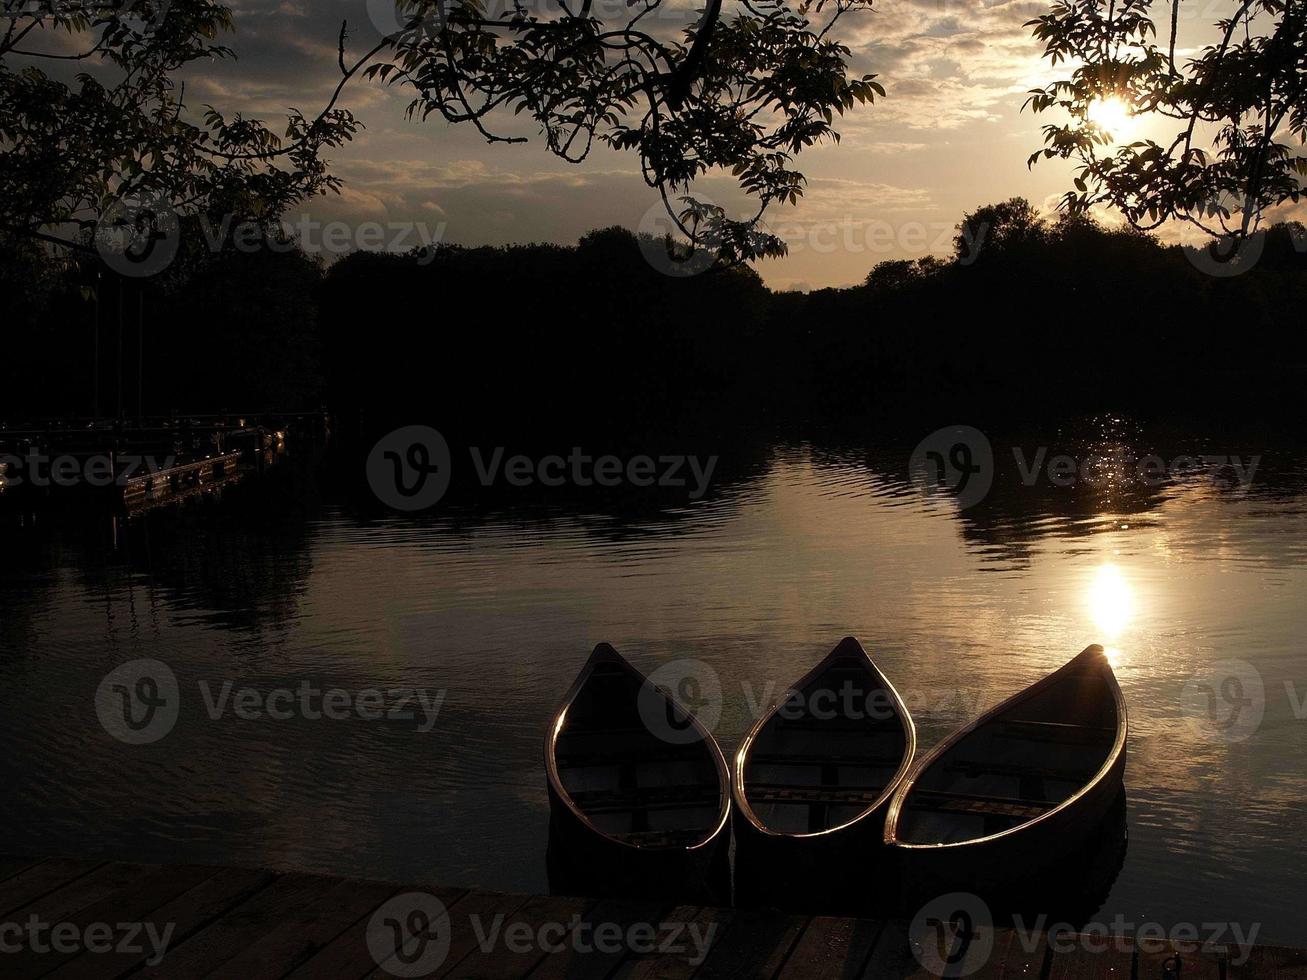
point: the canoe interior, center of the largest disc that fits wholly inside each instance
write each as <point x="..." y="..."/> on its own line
<point x="827" y="756"/>
<point x="632" y="785"/>
<point x="1020" y="763"/>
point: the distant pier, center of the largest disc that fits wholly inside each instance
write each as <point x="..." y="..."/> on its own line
<point x="145" y="462"/>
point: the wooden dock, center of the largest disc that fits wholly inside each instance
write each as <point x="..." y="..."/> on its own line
<point x="71" y="918"/>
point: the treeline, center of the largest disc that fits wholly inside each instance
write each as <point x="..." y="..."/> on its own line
<point x="1026" y="313"/>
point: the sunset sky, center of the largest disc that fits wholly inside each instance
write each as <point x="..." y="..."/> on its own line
<point x="950" y="136"/>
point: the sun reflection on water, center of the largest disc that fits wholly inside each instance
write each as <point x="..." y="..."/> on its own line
<point x="1111" y="602"/>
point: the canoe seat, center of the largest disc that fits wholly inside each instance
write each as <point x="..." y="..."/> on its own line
<point x="822" y="758"/>
<point x="837" y="795"/>
<point x="587" y="731"/>
<point x="984" y="806"/>
<point x="976" y="767"/>
<point x="839" y="724"/>
<point x="663" y="838"/>
<point x="597" y="801"/>
<point x="1055" y="731"/>
<point x="652" y="752"/>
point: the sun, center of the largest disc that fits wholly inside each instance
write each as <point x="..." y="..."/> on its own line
<point x="1113" y="116"/>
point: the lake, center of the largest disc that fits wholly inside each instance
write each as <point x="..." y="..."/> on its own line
<point x="470" y="620"/>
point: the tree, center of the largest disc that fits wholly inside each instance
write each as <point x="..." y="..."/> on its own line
<point x="113" y="151"/>
<point x="742" y="93"/>
<point x="997" y="228"/>
<point x="1243" y="95"/>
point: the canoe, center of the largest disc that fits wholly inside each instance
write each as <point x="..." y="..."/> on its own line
<point x="639" y="790"/>
<point x="815" y="773"/>
<point x="1028" y="781"/>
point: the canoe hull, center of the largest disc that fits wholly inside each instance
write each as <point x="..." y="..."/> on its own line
<point x="998" y="866"/>
<point x="812" y="783"/>
<point x="826" y="874"/>
<point x="1046" y="768"/>
<point x="639" y="791"/>
<point x="581" y="862"/>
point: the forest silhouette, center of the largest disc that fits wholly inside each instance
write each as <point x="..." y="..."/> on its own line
<point x="1027" y="312"/>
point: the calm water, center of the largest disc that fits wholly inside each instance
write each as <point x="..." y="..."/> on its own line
<point x="283" y="581"/>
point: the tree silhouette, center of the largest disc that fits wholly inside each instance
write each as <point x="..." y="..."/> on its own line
<point x="1244" y="93"/>
<point x="742" y="93"/>
<point x="114" y="150"/>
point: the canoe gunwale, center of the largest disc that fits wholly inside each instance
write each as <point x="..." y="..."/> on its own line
<point x="1113" y="763"/>
<point x="840" y="652"/>
<point x="605" y="654"/>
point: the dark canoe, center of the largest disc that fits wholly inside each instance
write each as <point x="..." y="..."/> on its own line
<point x="639" y="790"/>
<point x="1032" y="779"/>
<point x="815" y="774"/>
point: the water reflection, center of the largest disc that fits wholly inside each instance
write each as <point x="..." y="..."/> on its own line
<point x="497" y="601"/>
<point x="1111" y="601"/>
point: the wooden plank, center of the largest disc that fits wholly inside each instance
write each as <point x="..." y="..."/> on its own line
<point x="1092" y="958"/>
<point x="10" y="866"/>
<point x="302" y="933"/>
<point x="190" y="911"/>
<point x="756" y="944"/>
<point x="226" y="936"/>
<point x="27" y="886"/>
<point x="348" y="957"/>
<point x="588" y="962"/>
<point x="991" y="954"/>
<point x="1020" y="957"/>
<point x="471" y="913"/>
<point x="115" y="893"/>
<point x="1270" y="963"/>
<point x="62" y="903"/>
<point x="708" y="924"/>
<point x="1196" y="963"/>
<point x="832" y="947"/>
<point x="511" y="953"/>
